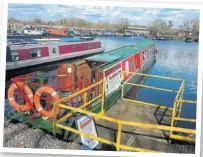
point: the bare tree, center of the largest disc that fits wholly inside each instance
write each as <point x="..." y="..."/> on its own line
<point x="190" y="25"/>
<point x="160" y="27"/>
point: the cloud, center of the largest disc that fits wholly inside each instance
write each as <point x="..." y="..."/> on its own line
<point x="140" y="16"/>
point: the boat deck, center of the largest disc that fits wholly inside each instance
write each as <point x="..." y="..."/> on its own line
<point x="152" y="139"/>
<point x="128" y="111"/>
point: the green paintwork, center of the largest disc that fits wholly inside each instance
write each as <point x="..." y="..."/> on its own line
<point x="36" y="123"/>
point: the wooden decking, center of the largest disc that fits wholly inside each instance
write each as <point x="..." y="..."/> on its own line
<point x="129" y="111"/>
<point x="136" y="136"/>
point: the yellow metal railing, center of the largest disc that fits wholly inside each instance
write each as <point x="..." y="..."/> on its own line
<point x="82" y="109"/>
<point x="177" y="105"/>
<point x="120" y="123"/>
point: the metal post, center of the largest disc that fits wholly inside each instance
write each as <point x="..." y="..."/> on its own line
<point x="173" y="116"/>
<point x="118" y="141"/>
<point x="103" y="94"/>
<point x="85" y="99"/>
<point x="54" y="119"/>
<point x="182" y="94"/>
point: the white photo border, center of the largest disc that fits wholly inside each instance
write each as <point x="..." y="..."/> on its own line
<point x="99" y="3"/>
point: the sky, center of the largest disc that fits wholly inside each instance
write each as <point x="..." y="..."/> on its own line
<point x="139" y="16"/>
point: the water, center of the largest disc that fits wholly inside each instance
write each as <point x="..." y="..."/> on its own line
<point x="174" y="59"/>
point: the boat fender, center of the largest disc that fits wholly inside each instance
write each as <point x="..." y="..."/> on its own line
<point x="11" y="91"/>
<point x="37" y="97"/>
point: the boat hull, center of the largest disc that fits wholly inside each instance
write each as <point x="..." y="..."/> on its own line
<point x="38" y="61"/>
<point x="23" y="67"/>
<point x="116" y="95"/>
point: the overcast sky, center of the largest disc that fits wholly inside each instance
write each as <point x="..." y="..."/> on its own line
<point x="140" y="16"/>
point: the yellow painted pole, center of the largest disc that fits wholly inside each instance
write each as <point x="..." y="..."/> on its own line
<point x="173" y="116"/>
<point x="81" y="91"/>
<point x="85" y="134"/>
<point x="81" y="107"/>
<point x="181" y="98"/>
<point x="183" y="138"/>
<point x="152" y="87"/>
<point x="103" y="140"/>
<point x="147" y="103"/>
<point x="54" y="119"/>
<point x="156" y="76"/>
<point x="103" y="97"/>
<point x="185" y="119"/>
<point x="85" y="100"/>
<point x="138" y="124"/>
<point x="118" y="141"/>
<point x="187" y="101"/>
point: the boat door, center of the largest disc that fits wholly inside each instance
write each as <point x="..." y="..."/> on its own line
<point x="53" y="50"/>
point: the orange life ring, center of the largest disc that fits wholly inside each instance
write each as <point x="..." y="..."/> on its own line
<point x="39" y="108"/>
<point x="12" y="89"/>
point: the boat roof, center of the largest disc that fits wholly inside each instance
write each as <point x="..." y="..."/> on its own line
<point x="116" y="55"/>
<point x="24" y="41"/>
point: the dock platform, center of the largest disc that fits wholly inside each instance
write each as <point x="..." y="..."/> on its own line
<point x="152" y="139"/>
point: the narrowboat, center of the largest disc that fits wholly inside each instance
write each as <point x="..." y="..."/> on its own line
<point x="58" y="32"/>
<point x="188" y="39"/>
<point x="127" y="34"/>
<point x="28" y="53"/>
<point x="33" y="31"/>
<point x="75" y="76"/>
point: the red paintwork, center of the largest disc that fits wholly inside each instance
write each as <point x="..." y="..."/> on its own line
<point x="64" y="49"/>
<point x="44" y="52"/>
<point x="138" y="60"/>
<point x="24" y="54"/>
<point x="112" y="69"/>
<point x="62" y="32"/>
<point x="134" y="63"/>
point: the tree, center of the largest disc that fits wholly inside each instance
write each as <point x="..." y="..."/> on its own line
<point x="124" y="23"/>
<point x="160" y="27"/>
<point x="190" y="25"/>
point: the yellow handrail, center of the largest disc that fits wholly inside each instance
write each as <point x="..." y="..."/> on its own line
<point x="119" y="122"/>
<point x="176" y="110"/>
<point x="177" y="105"/>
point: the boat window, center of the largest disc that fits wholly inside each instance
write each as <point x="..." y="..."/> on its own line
<point x="15" y="55"/>
<point x="85" y="47"/>
<point x="54" y="50"/>
<point x="36" y="52"/>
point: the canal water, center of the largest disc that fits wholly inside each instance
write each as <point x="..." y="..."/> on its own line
<point x="176" y="59"/>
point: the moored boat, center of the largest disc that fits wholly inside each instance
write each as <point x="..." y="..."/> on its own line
<point x="189" y="39"/>
<point x="75" y="76"/>
<point x="25" y="53"/>
<point x="58" y="32"/>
